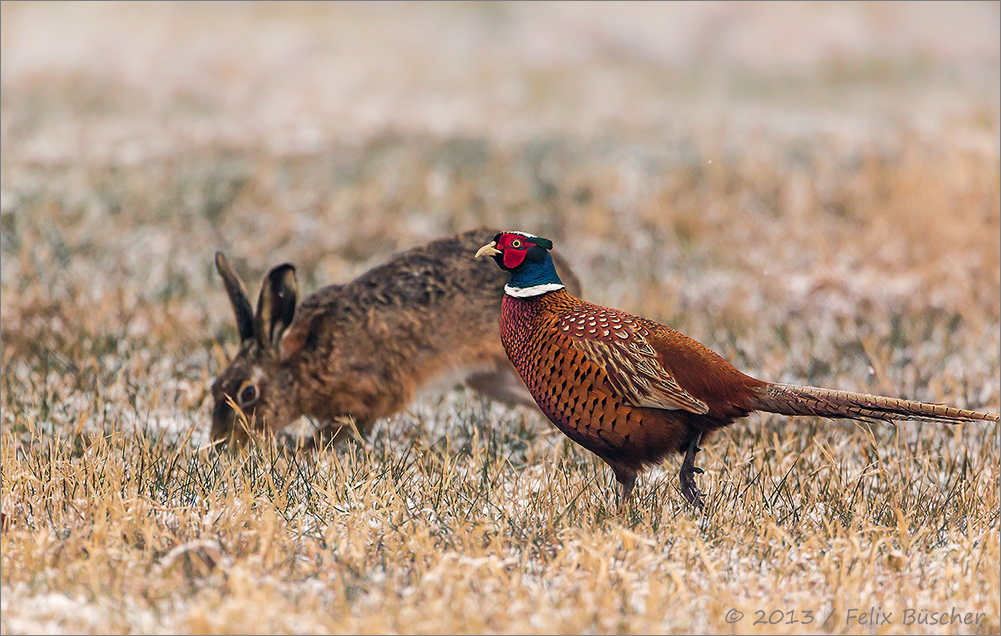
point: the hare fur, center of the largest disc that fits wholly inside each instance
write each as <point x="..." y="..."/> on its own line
<point x="362" y="351"/>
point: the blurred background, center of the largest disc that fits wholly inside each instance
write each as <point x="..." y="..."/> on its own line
<point x="811" y="189"/>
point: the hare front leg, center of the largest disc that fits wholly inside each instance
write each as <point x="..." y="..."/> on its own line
<point x="335" y="432"/>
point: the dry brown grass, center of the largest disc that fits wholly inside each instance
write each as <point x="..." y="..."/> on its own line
<point x="816" y="200"/>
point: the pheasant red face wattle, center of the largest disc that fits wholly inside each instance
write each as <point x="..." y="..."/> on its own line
<point x="512" y="248"/>
<point x="514" y="257"/>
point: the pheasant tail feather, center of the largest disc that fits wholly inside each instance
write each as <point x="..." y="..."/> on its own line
<point x="785" y="399"/>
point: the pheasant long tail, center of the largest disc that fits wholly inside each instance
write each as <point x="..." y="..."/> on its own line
<point x="786" y="399"/>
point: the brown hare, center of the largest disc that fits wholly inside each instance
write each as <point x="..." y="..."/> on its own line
<point x="362" y="351"/>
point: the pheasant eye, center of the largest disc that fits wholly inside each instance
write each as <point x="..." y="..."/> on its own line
<point x="516" y="243"/>
<point x="248" y="395"/>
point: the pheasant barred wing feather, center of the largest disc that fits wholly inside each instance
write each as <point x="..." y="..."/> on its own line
<point x="618" y="344"/>
<point x="636" y="374"/>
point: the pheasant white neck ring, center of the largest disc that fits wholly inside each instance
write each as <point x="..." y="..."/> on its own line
<point x="534" y="290"/>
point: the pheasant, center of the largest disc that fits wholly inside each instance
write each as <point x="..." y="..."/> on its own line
<point x="631" y="390"/>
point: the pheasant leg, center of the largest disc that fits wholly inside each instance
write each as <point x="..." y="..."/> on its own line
<point x="688" y="472"/>
<point x="626" y="479"/>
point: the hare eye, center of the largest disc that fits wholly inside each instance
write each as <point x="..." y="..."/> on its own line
<point x="247" y="395"/>
<point x="516" y="243"/>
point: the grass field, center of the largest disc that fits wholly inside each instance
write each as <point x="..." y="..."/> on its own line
<point x="814" y="191"/>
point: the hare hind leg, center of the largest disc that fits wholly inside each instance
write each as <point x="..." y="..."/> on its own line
<point x="501" y="383"/>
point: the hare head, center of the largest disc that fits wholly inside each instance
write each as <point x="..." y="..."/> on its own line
<point x="254" y="391"/>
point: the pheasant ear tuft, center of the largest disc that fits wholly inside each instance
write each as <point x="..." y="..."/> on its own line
<point x="545" y="244"/>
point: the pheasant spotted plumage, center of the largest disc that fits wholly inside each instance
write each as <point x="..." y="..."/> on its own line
<point x="631" y="390"/>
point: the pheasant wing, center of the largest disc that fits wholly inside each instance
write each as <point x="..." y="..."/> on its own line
<point x="619" y="346"/>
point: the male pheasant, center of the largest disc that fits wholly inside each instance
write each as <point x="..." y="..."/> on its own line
<point x="631" y="390"/>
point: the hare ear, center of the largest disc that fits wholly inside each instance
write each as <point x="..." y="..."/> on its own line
<point x="276" y="305"/>
<point x="237" y="297"/>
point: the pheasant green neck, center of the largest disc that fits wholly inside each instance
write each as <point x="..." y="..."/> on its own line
<point x="533" y="278"/>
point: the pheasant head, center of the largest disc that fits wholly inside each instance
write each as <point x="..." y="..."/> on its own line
<point x="527" y="258"/>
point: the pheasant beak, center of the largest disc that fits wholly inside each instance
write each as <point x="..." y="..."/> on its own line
<point x="490" y="249"/>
